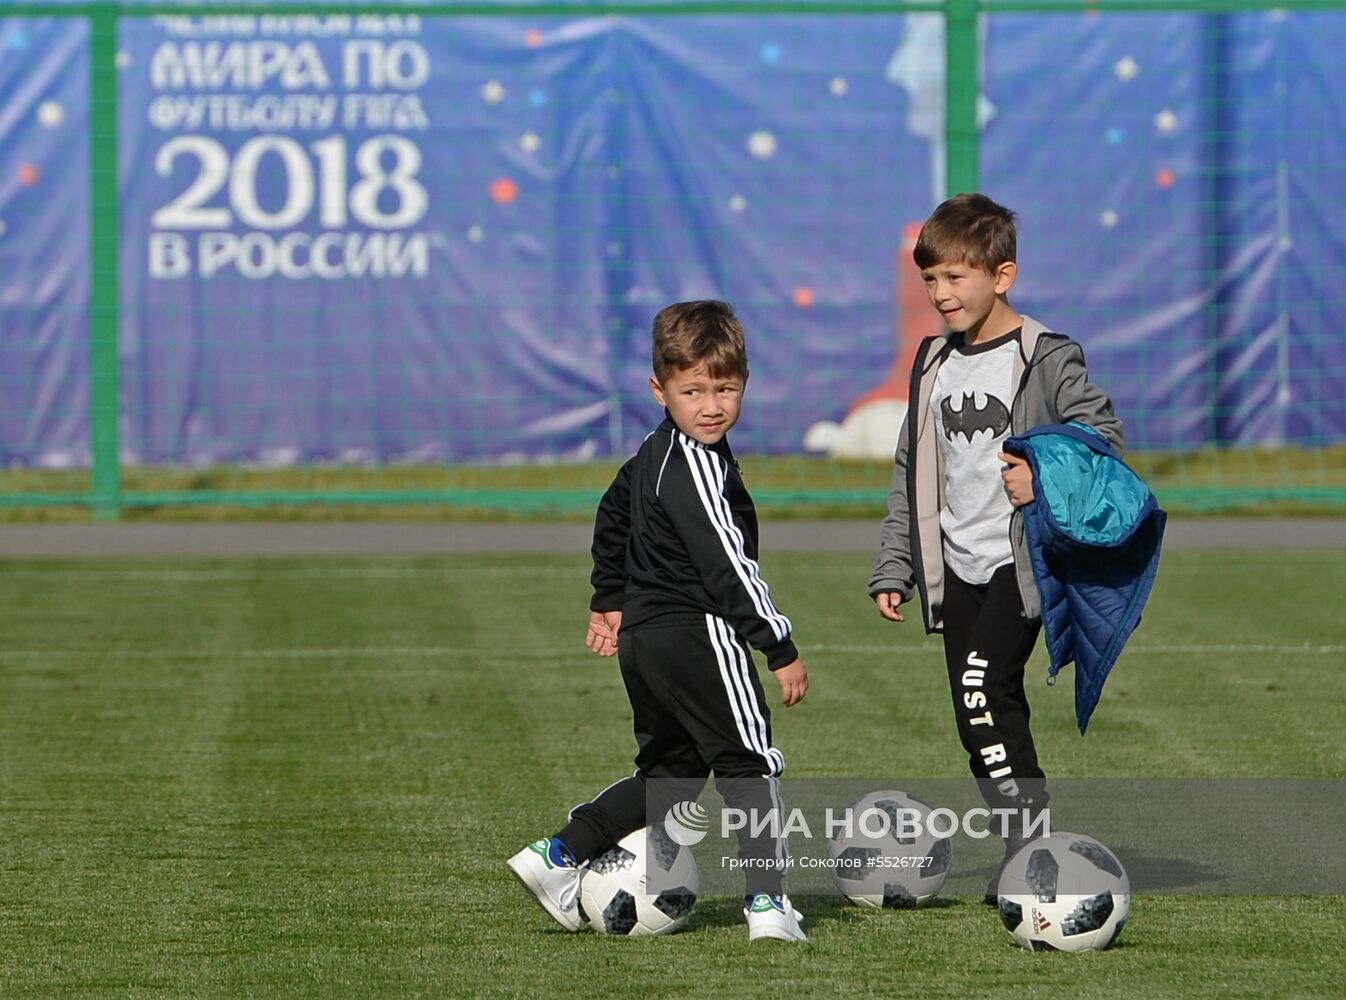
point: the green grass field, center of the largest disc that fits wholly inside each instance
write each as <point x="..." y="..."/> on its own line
<point x="259" y="778"/>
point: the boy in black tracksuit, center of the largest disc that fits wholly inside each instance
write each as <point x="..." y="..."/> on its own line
<point x="679" y="596"/>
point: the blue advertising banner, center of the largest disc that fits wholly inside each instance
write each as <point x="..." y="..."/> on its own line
<point x="334" y="252"/>
<point x="1174" y="174"/>
<point x="396" y="238"/>
<point x="44" y="239"/>
<point x="359" y="239"/>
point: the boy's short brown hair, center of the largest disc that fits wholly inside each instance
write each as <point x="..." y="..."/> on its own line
<point x="967" y="229"/>
<point x="707" y="332"/>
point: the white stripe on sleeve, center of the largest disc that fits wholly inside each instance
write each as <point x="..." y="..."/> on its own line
<point x="709" y="480"/>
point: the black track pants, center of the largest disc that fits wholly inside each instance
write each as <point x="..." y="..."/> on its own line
<point x="987" y="642"/>
<point x="698" y="708"/>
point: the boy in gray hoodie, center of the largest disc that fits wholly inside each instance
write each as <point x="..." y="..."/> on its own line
<point x="953" y="530"/>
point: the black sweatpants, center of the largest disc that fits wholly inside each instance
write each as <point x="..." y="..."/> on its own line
<point x="698" y="709"/>
<point x="987" y="642"/>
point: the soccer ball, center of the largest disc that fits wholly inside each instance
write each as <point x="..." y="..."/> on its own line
<point x="885" y="855"/>
<point x="613" y="899"/>
<point x="1064" y="892"/>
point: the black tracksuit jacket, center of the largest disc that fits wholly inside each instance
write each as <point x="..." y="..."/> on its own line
<point x="675" y="538"/>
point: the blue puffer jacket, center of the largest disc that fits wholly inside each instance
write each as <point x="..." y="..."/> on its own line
<point x="1093" y="532"/>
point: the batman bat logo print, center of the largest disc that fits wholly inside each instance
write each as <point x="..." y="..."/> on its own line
<point x="969" y="420"/>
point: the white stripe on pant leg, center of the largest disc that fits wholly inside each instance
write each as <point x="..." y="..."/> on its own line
<point x="756" y="721"/>
<point x="722" y="636"/>
<point x="728" y="684"/>
<point x="753" y="725"/>
<point x="726" y="654"/>
<point x="775" y="760"/>
<point x="782" y="844"/>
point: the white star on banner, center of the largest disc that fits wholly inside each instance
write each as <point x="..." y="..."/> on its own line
<point x="762" y="144"/>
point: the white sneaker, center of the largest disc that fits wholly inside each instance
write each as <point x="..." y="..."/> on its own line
<point x="554" y="884"/>
<point x="773" y="917"/>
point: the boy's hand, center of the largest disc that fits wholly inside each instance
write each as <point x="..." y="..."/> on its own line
<point x="888" y="601"/>
<point x="1018" y="478"/>
<point x="794" y="682"/>
<point x="603" y="629"/>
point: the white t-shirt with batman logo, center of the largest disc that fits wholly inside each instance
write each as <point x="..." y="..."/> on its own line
<point x="973" y="391"/>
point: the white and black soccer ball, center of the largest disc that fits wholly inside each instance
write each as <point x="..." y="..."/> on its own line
<point x="1064" y="892"/>
<point x="613" y="897"/>
<point x="882" y="853"/>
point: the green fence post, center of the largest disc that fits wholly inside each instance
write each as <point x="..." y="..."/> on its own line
<point x="104" y="228"/>
<point x="960" y="95"/>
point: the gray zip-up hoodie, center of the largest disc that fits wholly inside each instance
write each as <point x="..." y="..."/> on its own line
<point x="1052" y="387"/>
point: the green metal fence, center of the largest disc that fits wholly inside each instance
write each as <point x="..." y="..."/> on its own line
<point x="1286" y="479"/>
